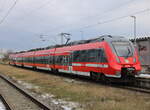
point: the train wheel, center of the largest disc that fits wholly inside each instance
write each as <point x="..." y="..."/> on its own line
<point x="95" y="76"/>
<point x="34" y="67"/>
<point x="104" y="79"/>
<point x="55" y="70"/>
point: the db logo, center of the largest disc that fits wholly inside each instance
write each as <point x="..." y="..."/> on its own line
<point x="127" y="61"/>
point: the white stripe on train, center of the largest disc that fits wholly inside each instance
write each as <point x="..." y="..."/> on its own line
<point x="91" y="65"/>
<point x="79" y="72"/>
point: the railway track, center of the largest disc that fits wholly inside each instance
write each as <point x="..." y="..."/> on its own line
<point x="137" y="89"/>
<point x="142" y="86"/>
<point x="5" y="102"/>
<point x="40" y="104"/>
<point x="139" y="85"/>
<point x="143" y="83"/>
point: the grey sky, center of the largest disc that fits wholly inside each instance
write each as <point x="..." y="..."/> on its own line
<point x="22" y="28"/>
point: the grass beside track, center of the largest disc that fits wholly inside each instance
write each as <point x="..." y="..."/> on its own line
<point x="90" y="96"/>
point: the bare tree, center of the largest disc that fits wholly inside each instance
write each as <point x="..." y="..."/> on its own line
<point x="6" y="55"/>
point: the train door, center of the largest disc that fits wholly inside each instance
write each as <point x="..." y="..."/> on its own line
<point x="70" y="63"/>
<point x="52" y="61"/>
<point x="67" y="62"/>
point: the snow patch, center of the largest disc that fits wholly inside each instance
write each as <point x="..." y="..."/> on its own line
<point x="144" y="75"/>
<point x="47" y="96"/>
<point x="27" y="85"/>
<point x="66" y="105"/>
<point x="2" y="107"/>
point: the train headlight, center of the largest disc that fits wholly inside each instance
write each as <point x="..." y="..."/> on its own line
<point x="134" y="60"/>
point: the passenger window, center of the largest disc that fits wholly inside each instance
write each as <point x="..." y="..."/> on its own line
<point x="83" y="55"/>
<point x="76" y="56"/>
<point x="92" y="55"/>
<point x="102" y="55"/>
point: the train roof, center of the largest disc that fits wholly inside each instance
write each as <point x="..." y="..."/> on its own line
<point x="98" y="39"/>
<point x="107" y="38"/>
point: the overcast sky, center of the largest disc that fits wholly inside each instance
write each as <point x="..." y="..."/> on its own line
<point x="83" y="19"/>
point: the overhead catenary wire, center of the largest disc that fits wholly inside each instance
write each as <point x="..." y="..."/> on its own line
<point x="27" y="14"/>
<point x="42" y="6"/>
<point x="47" y="2"/>
<point x="104" y="13"/>
<point x="113" y="9"/>
<point x="8" y="12"/>
<point x="115" y="19"/>
<point x="108" y="11"/>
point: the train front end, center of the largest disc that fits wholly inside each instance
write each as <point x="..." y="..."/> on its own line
<point x="126" y="63"/>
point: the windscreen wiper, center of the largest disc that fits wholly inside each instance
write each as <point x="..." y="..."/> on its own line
<point x="128" y="53"/>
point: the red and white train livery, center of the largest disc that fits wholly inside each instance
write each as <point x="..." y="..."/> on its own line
<point x="106" y="56"/>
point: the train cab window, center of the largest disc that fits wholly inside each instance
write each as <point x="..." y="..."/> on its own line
<point x="123" y="49"/>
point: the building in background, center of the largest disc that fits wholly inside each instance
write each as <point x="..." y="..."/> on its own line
<point x="143" y="47"/>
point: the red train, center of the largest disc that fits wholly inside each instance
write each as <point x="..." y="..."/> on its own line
<point x="100" y="58"/>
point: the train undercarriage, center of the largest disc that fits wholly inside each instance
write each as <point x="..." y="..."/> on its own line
<point x="127" y="76"/>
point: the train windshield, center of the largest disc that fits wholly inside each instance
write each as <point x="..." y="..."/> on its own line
<point x="123" y="49"/>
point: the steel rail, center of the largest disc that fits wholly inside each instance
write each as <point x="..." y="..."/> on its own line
<point x="142" y="83"/>
<point x="134" y="87"/>
<point x="6" y="104"/>
<point x="137" y="89"/>
<point x="25" y="93"/>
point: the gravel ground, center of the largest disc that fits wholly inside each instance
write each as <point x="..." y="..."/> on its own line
<point x="15" y="98"/>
